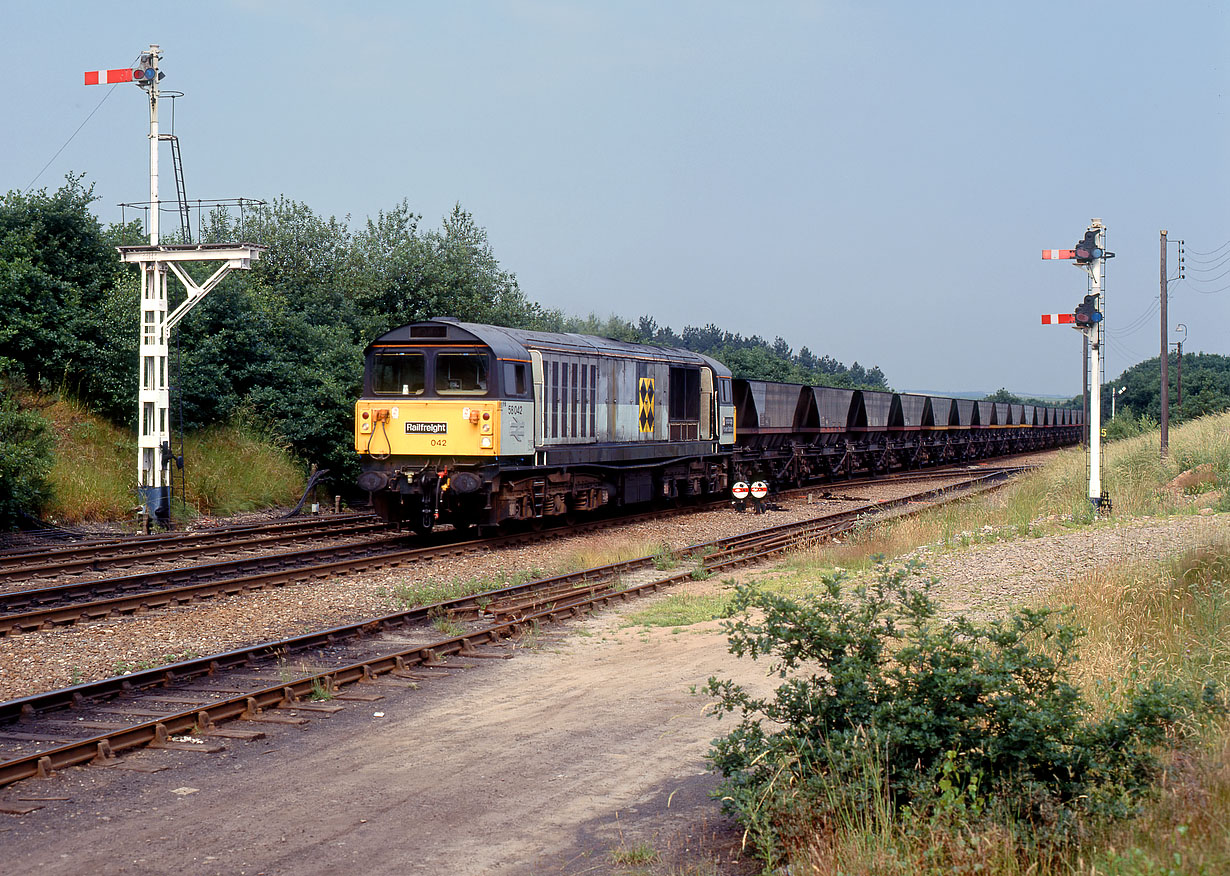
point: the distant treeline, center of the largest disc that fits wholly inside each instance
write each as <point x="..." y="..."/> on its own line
<point x="278" y="348"/>
<point x="1002" y="395"/>
<point x="753" y="358"/>
<point x="1199" y="385"/>
<point x="1205" y="388"/>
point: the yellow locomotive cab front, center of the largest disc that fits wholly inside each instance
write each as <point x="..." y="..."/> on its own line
<point x="431" y="427"/>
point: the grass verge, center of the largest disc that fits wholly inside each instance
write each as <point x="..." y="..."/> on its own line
<point x="683" y="609"/>
<point x="93" y="479"/>
<point x="1051" y="499"/>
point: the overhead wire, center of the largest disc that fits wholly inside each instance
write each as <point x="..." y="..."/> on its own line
<point x="71" y="136"/>
<point x="1211" y="279"/>
<point x="1139" y="322"/>
<point x="1124" y="351"/>
<point x="1191" y="252"/>
<point x="1213" y="263"/>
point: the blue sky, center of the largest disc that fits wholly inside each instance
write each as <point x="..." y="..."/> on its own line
<point x="872" y="180"/>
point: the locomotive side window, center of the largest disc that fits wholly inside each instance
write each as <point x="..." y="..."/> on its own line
<point x="684" y="394"/>
<point x="516" y="380"/>
<point x="398" y="374"/>
<point x="555" y="399"/>
<point x="461" y="373"/>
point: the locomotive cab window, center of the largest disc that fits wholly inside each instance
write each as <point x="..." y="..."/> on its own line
<point x="461" y="373"/>
<point x="399" y="374"/>
<point x="516" y="381"/>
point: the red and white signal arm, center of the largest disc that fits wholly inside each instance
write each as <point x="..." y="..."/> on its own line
<point x="1058" y="318"/>
<point x="739" y="490"/>
<point x="108" y="77"/>
<point x="759" y="490"/>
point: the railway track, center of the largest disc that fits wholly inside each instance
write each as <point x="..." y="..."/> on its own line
<point x="40" y="608"/>
<point x="126" y="552"/>
<point x="191" y="704"/>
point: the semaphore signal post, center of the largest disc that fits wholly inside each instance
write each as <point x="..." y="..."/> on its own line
<point x="1091" y="255"/>
<point x="154" y="456"/>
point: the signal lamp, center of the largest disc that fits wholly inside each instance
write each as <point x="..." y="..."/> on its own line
<point x="1088" y="250"/>
<point x="1086" y="312"/>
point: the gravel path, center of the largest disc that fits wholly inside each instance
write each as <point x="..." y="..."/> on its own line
<point x="986" y="579"/>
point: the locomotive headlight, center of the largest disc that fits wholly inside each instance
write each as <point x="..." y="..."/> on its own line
<point x="485" y="443"/>
<point x="486" y="428"/>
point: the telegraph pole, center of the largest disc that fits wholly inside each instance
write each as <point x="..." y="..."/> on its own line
<point x="1178" y="365"/>
<point x="1178" y="377"/>
<point x="1165" y="424"/>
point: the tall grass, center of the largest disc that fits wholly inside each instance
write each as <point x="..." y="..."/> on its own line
<point x="1170" y="618"/>
<point x="604" y="549"/>
<point x="1048" y="499"/>
<point x="94" y="478"/>
<point x="231" y="469"/>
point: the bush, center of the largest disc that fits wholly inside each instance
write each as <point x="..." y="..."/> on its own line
<point x="25" y="461"/>
<point x="885" y="707"/>
<point x="1126" y="425"/>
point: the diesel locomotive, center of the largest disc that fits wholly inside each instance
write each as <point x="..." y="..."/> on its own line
<point x="471" y="424"/>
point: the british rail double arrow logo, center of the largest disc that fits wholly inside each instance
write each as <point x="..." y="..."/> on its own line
<point x="644" y="394"/>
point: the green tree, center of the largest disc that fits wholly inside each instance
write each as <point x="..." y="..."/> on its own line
<point x="1002" y="396"/>
<point x="25" y="461"/>
<point x="756" y="359"/>
<point x="413" y="275"/>
<point x="57" y="269"/>
<point x="1206" y="387"/>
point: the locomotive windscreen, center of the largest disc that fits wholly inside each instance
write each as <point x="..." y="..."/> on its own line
<point x="461" y="373"/>
<point x="399" y="374"/>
